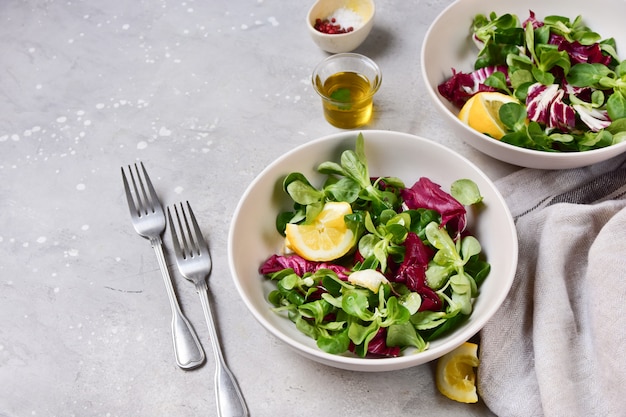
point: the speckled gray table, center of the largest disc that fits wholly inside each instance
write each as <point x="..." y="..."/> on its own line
<point x="206" y="93"/>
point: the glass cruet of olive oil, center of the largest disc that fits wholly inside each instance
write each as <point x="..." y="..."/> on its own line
<point x="347" y="83"/>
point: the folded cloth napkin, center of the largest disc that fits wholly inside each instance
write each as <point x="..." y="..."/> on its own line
<point x="557" y="345"/>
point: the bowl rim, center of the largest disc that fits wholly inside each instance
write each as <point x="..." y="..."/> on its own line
<point x="376" y="364"/>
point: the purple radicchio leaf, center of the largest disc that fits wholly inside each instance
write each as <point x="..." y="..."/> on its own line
<point x="458" y="88"/>
<point x="579" y="53"/>
<point x="533" y="20"/>
<point x="426" y="194"/>
<point x="378" y="345"/>
<point x="462" y="86"/>
<point x="545" y="105"/>
<point x="412" y="272"/>
<point x="300" y="266"/>
<point x="582" y="93"/>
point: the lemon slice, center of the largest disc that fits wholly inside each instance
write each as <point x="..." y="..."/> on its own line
<point x="481" y="111"/>
<point x="455" y="377"/>
<point x="327" y="238"/>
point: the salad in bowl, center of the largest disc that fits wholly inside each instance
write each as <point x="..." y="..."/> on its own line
<point x="373" y="251"/>
<point x="536" y="84"/>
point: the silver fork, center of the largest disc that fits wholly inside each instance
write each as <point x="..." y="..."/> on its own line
<point x="149" y="221"/>
<point x="194" y="262"/>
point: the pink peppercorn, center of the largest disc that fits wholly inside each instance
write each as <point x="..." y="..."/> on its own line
<point x="328" y="27"/>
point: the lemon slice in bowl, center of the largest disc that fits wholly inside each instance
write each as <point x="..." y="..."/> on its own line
<point x="480" y="112"/>
<point x="455" y="377"/>
<point x="327" y="238"/>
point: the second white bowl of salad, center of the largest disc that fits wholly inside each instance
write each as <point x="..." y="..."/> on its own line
<point x="536" y="84"/>
<point x="422" y="252"/>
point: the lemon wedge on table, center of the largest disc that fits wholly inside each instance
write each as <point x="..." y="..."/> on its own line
<point x="455" y="377"/>
<point x="481" y="113"/>
<point x="327" y="238"/>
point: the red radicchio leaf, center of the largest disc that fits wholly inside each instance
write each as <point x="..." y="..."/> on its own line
<point x="378" y="345"/>
<point x="300" y="266"/>
<point x="562" y="116"/>
<point x="545" y="105"/>
<point x="426" y="194"/>
<point x="583" y="93"/>
<point x="412" y="272"/>
<point x="532" y="19"/>
<point x="579" y="53"/>
<point x="458" y="88"/>
<point x="462" y="86"/>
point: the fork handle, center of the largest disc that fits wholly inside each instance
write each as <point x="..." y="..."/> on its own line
<point x="230" y="402"/>
<point x="187" y="348"/>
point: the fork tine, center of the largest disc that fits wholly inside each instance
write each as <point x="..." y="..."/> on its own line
<point x="154" y="199"/>
<point x="188" y="242"/>
<point x="183" y="247"/>
<point x="177" y="246"/>
<point x="145" y="199"/>
<point x="140" y="202"/>
<point x="201" y="244"/>
<point x="186" y="251"/>
<point x="129" y="197"/>
<point x="190" y="245"/>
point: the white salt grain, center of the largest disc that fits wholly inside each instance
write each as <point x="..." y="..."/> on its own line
<point x="345" y="18"/>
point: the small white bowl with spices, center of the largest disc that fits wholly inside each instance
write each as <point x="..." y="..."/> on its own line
<point x="340" y="25"/>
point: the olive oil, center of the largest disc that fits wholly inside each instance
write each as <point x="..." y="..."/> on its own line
<point x="347" y="99"/>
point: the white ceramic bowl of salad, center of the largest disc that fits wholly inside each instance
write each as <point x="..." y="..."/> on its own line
<point x="253" y="237"/>
<point x="448" y="45"/>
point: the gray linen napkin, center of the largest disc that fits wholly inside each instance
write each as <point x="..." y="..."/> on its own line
<point x="557" y="346"/>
